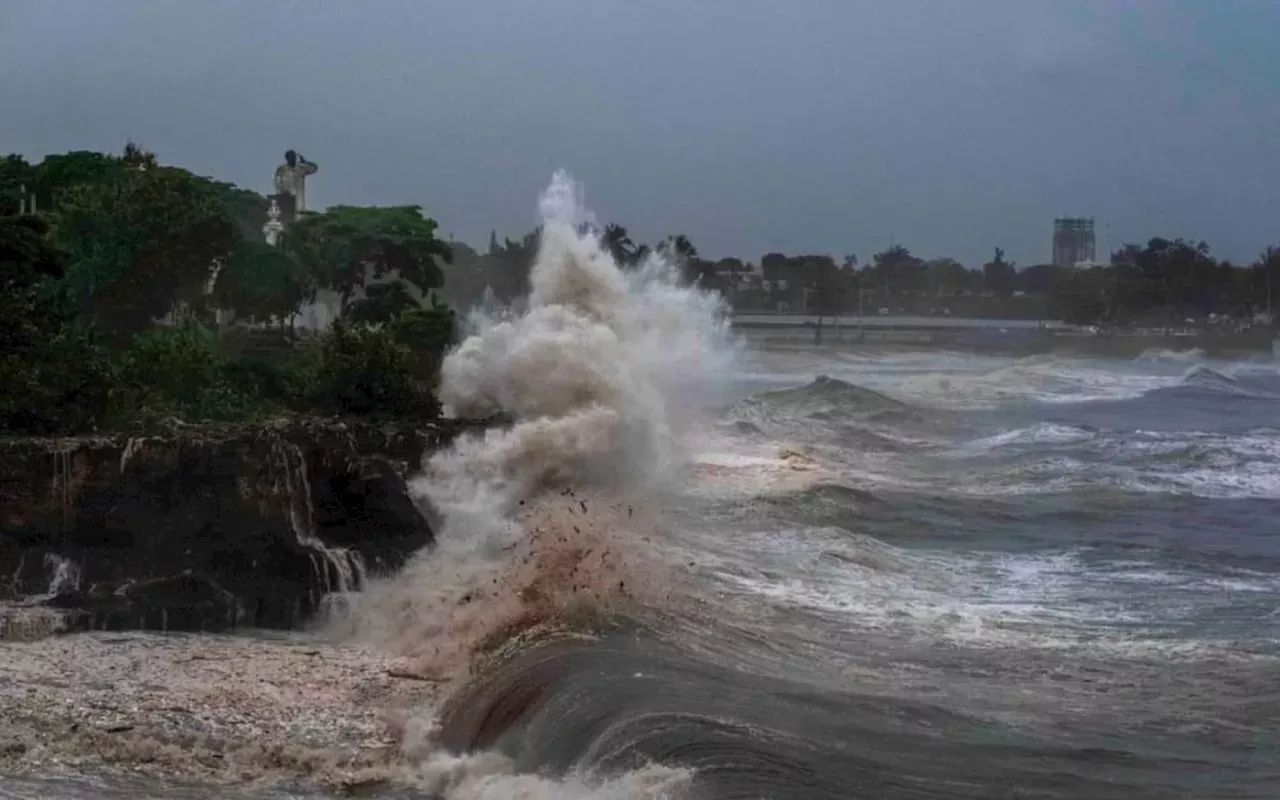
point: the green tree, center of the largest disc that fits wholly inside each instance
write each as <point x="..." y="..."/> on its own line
<point x="679" y="248"/>
<point x="947" y="277"/>
<point x="178" y="371"/>
<point x="680" y="251"/>
<point x="17" y="177"/>
<point x="29" y="265"/>
<point x="427" y="332"/>
<point x="897" y="273"/>
<point x="248" y="208"/>
<point x="824" y="281"/>
<point x="782" y="286"/>
<point x="141" y="244"/>
<point x="262" y="282"/>
<point x="506" y="271"/>
<point x="618" y="244"/>
<point x="382" y="303"/>
<point x="363" y="370"/>
<point x="345" y="246"/>
<point x="53" y="377"/>
<point x="59" y="174"/>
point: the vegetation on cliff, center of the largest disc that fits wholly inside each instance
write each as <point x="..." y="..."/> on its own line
<point x="110" y="293"/>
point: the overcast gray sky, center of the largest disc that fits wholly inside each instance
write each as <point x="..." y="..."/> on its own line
<point x="750" y="125"/>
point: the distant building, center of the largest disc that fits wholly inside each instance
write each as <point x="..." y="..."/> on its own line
<point x="1073" y="241"/>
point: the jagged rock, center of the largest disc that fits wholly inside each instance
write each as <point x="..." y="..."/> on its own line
<point x="210" y="527"/>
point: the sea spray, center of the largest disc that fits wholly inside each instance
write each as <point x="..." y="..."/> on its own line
<point x="603" y="374"/>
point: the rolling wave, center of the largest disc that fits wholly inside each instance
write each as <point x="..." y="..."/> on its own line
<point x="1260" y="385"/>
<point x="830" y="411"/>
<point x="826" y="395"/>
<point x="829" y="400"/>
<point x="1055" y="459"/>
<point x="619" y="702"/>
<point x="801" y="602"/>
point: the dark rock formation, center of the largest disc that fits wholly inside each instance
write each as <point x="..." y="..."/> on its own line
<point x="209" y="528"/>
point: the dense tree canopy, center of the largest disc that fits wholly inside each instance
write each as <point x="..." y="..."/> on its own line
<point x="263" y="283"/>
<point x="16" y="175"/>
<point x="141" y="242"/>
<point x="383" y="302"/>
<point x="30" y="265"/>
<point x="345" y="246"/>
<point x="90" y="284"/>
<point x="51" y="375"/>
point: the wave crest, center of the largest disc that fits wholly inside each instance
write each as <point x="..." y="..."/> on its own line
<point x="601" y="375"/>
<point x="826" y="395"/>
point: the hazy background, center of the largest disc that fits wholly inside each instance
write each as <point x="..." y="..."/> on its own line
<point x="804" y="125"/>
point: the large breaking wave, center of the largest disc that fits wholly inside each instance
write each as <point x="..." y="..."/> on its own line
<point x="602" y="375"/>
<point x="755" y="630"/>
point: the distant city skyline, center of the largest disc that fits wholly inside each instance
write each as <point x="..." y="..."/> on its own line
<point x="747" y="125"/>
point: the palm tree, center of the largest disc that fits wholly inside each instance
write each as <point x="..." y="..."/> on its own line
<point x="617" y="243"/>
<point x="681" y="248"/>
<point x="684" y="256"/>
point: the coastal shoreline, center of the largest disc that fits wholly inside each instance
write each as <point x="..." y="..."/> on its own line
<point x="266" y="708"/>
<point x="995" y="336"/>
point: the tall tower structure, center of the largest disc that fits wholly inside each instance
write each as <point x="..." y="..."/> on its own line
<point x="1073" y="241"/>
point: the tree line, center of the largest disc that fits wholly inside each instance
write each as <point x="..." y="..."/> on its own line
<point x="113" y="269"/>
<point x="1164" y="282"/>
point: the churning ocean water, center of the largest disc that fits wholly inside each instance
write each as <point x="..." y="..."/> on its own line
<point x="694" y="568"/>
<point x="938" y="575"/>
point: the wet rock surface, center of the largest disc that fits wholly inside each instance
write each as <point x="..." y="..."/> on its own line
<point x="209" y="527"/>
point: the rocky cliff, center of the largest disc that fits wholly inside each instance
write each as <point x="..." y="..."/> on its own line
<point x="209" y="528"/>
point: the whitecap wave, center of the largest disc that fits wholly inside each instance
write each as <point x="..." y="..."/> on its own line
<point x="603" y="373"/>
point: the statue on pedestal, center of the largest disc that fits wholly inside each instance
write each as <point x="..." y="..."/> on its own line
<point x="291" y="183"/>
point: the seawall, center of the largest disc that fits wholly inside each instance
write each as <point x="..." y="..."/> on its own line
<point x="1013" y="337"/>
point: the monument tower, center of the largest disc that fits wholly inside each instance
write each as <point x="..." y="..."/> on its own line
<point x="290" y="200"/>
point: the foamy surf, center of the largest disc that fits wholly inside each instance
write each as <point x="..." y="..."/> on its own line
<point x="603" y="373"/>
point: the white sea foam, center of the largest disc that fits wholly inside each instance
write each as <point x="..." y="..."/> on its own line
<point x="1047" y="601"/>
<point x="1158" y="355"/>
<point x="1043" y="379"/>
<point x="1200" y="464"/>
<point x="603" y="372"/>
<point x="968" y="381"/>
<point x="1040" y="433"/>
